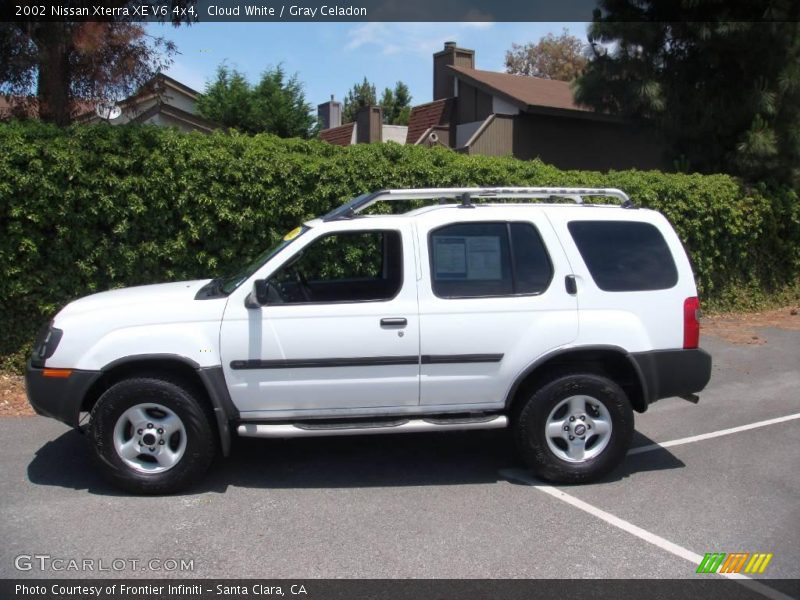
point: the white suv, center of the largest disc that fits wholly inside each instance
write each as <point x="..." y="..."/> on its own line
<point x="512" y="307"/>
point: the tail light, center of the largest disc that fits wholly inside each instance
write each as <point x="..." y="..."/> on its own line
<point x="691" y="322"/>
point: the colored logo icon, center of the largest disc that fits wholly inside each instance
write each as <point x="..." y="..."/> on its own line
<point x="737" y="562"/>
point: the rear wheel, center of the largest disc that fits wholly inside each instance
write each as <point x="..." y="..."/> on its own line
<point x="575" y="429"/>
<point x="152" y="436"/>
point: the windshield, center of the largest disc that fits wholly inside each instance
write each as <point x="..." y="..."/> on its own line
<point x="232" y="282"/>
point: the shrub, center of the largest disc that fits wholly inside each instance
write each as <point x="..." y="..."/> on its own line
<point x="89" y="208"/>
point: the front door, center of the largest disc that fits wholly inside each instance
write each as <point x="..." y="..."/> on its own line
<point x="340" y="330"/>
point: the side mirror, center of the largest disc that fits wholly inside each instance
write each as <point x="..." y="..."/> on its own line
<point x="261" y="290"/>
<point x="259" y="296"/>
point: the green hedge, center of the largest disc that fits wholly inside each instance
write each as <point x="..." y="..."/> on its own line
<point x="95" y="207"/>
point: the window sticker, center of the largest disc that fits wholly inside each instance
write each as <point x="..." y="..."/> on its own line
<point x="450" y="257"/>
<point x="468" y="257"/>
<point x="483" y="258"/>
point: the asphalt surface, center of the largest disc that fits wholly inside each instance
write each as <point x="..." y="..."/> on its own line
<point x="434" y="505"/>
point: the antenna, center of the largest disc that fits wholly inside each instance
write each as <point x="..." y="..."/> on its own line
<point x="107" y="111"/>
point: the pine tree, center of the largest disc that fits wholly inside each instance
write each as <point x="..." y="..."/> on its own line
<point x="275" y="105"/>
<point x="361" y="95"/>
<point x="720" y="83"/>
<point x="396" y="104"/>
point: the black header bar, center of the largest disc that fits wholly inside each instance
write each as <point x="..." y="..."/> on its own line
<point x="322" y="11"/>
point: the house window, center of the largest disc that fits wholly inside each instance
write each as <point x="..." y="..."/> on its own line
<point x="353" y="266"/>
<point x="477" y="260"/>
<point x="624" y="256"/>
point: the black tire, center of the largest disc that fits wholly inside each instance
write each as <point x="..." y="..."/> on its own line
<point x="199" y="448"/>
<point x="530" y="423"/>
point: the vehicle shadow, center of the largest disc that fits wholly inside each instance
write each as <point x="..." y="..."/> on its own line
<point x="418" y="459"/>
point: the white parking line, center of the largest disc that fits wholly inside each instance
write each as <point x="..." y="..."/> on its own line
<point x="713" y="434"/>
<point x="643" y="534"/>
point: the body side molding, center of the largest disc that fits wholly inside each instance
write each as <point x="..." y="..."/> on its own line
<point x="364" y="361"/>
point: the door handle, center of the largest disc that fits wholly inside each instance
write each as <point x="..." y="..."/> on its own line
<point x="571" y="285"/>
<point x="394" y="322"/>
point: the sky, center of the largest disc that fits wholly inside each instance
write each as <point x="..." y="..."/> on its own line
<point x="330" y="57"/>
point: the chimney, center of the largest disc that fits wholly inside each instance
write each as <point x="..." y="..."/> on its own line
<point x="369" y="125"/>
<point x="443" y="78"/>
<point x="330" y="113"/>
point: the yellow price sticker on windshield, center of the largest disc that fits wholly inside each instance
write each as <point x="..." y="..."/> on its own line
<point x="292" y="234"/>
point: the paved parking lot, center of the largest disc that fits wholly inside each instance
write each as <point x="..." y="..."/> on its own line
<point x="442" y="505"/>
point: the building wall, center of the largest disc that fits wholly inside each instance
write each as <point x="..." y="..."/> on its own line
<point x="584" y="144"/>
<point x="395" y="133"/>
<point x="501" y="107"/>
<point x="163" y="120"/>
<point x="473" y="104"/>
<point x="179" y="100"/>
<point x="497" y="137"/>
<point x="465" y="131"/>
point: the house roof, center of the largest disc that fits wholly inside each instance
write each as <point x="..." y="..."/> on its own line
<point x="155" y="87"/>
<point x="27" y="107"/>
<point x="528" y="93"/>
<point x="425" y="116"/>
<point x="338" y="136"/>
<point x="174" y="83"/>
<point x="191" y="120"/>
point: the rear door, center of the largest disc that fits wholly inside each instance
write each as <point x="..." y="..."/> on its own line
<point x="492" y="300"/>
<point x="633" y="277"/>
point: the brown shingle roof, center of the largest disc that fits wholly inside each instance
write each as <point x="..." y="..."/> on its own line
<point x="27" y="107"/>
<point x="523" y="89"/>
<point x="425" y="116"/>
<point x="338" y="136"/>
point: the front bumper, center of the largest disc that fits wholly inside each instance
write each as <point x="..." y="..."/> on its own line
<point x="666" y="373"/>
<point x="57" y="397"/>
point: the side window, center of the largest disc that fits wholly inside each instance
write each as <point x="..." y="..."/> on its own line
<point x="532" y="267"/>
<point x="625" y="256"/>
<point x="353" y="266"/>
<point x="473" y="260"/>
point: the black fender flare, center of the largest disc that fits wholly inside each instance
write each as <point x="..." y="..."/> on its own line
<point x="212" y="380"/>
<point x="518" y="381"/>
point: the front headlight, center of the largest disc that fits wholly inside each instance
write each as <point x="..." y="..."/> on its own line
<point x="45" y="344"/>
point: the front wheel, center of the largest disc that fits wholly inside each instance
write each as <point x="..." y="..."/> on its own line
<point x="575" y="429"/>
<point x="152" y="436"/>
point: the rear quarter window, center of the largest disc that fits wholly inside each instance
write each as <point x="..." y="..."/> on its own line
<point x="625" y="256"/>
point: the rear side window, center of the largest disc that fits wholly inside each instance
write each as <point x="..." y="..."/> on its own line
<point x="474" y="260"/>
<point x="625" y="256"/>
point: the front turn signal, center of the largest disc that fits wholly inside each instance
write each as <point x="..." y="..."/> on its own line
<point x="58" y="373"/>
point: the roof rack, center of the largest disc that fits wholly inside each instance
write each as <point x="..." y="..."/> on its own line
<point x="468" y="196"/>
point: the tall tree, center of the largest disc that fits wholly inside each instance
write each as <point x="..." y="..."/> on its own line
<point x="64" y="62"/>
<point x="722" y="88"/>
<point x="276" y="104"/>
<point x="228" y="100"/>
<point x="396" y="104"/>
<point x="560" y="57"/>
<point x="280" y="105"/>
<point x="360" y="95"/>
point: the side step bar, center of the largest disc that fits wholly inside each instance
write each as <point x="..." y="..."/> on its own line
<point x="309" y="429"/>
